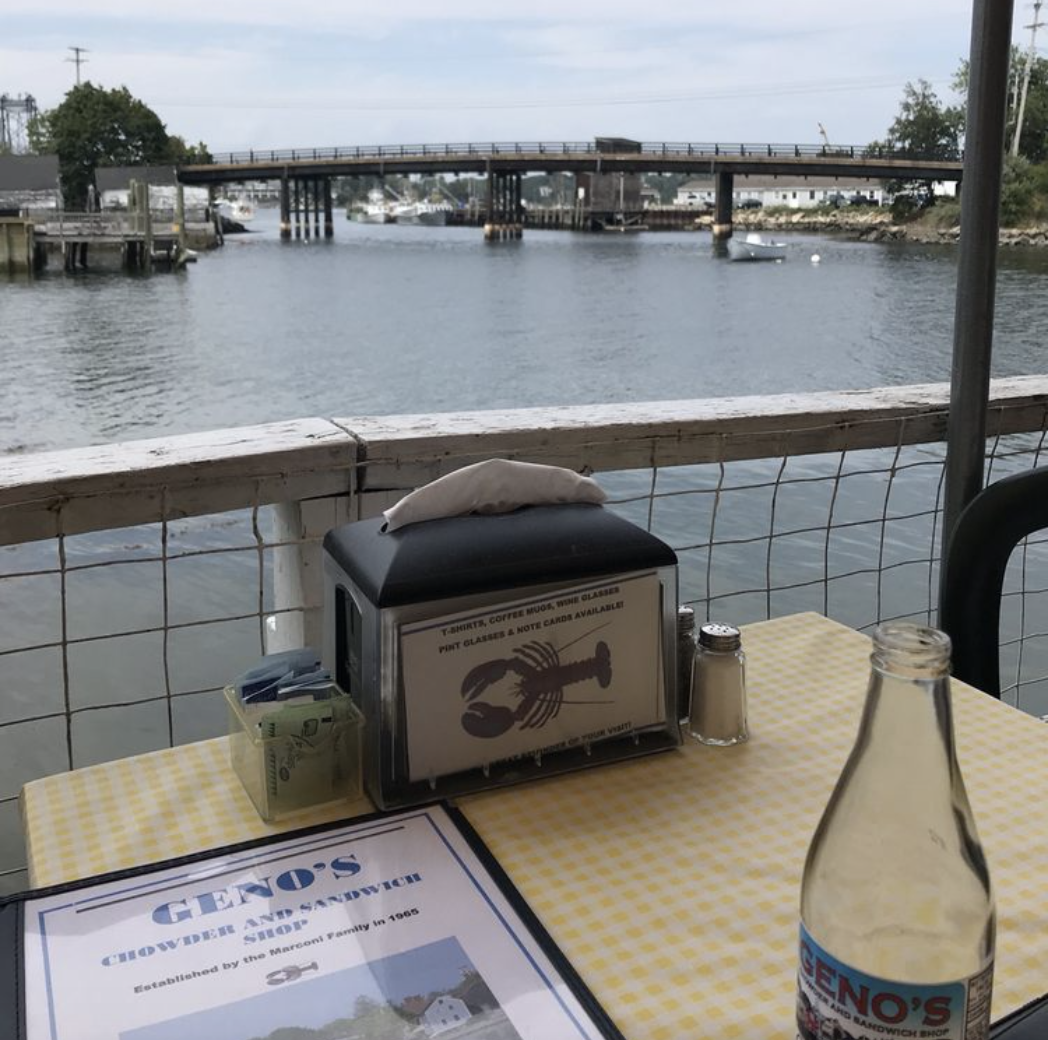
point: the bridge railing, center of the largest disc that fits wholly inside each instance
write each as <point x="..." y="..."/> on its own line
<point x="581" y="148"/>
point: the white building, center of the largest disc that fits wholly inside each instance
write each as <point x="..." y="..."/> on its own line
<point x="785" y="191"/>
<point x="443" y="1014"/>
<point x="113" y="183"/>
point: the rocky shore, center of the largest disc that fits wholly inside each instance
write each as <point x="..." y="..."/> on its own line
<point x="874" y="225"/>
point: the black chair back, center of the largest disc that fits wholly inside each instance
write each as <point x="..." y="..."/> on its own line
<point x="974" y="564"/>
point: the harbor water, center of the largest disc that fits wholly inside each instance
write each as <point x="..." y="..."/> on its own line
<point x="387" y="319"/>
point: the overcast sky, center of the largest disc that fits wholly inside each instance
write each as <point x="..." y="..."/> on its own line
<point x="302" y="73"/>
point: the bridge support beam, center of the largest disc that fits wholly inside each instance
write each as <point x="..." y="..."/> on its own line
<point x="285" y="208"/>
<point x="505" y="211"/>
<point x="722" y="205"/>
<point x="329" y="212"/>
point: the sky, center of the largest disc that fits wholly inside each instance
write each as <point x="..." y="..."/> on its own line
<point x="321" y="73"/>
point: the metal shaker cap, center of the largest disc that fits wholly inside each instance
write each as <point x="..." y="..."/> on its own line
<point x="685" y="620"/>
<point x="715" y="636"/>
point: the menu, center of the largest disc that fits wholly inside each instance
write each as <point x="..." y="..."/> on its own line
<point x="394" y="926"/>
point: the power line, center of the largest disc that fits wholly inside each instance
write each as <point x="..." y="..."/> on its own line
<point x="77" y="60"/>
<point x="418" y="105"/>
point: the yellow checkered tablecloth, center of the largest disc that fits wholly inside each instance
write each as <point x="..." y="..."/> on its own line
<point x="670" y="882"/>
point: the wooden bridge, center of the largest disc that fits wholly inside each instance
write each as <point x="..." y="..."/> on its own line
<point x="305" y="174"/>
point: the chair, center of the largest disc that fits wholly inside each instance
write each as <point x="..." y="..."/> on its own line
<point x="988" y="530"/>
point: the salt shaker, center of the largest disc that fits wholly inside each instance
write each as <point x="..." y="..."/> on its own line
<point x="718" y="689"/>
<point x="685" y="659"/>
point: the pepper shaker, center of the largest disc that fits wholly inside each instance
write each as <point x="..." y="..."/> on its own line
<point x="718" y="689"/>
<point x="685" y="659"/>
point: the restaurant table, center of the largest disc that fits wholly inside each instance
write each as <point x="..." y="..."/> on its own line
<point x="671" y="882"/>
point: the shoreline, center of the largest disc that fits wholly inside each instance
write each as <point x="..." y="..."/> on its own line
<point x="872" y="226"/>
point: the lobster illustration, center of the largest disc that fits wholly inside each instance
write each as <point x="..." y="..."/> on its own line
<point x="541" y="678"/>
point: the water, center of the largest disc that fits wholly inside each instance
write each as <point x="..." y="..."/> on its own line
<point x="387" y="319"/>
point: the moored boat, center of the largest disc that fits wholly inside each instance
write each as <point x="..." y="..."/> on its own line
<point x="241" y="209"/>
<point x="433" y="214"/>
<point x="376" y="210"/>
<point x="754" y="247"/>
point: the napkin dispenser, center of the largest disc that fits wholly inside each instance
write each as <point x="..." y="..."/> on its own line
<point x="488" y="649"/>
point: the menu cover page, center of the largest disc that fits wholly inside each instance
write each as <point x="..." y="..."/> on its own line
<point x="392" y="927"/>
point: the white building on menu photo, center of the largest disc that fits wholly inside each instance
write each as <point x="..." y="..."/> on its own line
<point x="445" y="1013"/>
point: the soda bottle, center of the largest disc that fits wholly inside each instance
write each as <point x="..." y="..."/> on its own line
<point x="897" y="909"/>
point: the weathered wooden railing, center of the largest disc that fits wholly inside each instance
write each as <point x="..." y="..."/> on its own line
<point x="745" y="489"/>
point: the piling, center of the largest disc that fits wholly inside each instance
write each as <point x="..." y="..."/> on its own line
<point x="17" y="244"/>
<point x="722" y="205"/>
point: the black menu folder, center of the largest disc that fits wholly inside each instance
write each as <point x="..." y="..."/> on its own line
<point x="383" y="923"/>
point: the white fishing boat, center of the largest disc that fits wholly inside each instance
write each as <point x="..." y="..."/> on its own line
<point x="376" y="210"/>
<point x="404" y="212"/>
<point x="433" y="214"/>
<point x="420" y="211"/>
<point x="754" y="247"/>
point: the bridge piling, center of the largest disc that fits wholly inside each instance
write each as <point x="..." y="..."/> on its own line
<point x="285" y="208"/>
<point x="722" y="205"/>
<point x="505" y="217"/>
<point x="329" y="217"/>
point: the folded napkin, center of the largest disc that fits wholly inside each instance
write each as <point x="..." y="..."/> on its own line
<point x="492" y="486"/>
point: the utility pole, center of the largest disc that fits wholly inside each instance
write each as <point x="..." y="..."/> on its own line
<point x="1031" y="54"/>
<point x="15" y="116"/>
<point x="78" y="61"/>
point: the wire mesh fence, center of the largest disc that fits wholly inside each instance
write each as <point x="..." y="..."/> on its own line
<point x="119" y="640"/>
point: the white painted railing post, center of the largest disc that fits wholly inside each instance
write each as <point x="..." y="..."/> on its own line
<point x="298" y="574"/>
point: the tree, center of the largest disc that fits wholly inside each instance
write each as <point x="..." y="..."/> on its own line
<point x="1033" y="140"/>
<point x="95" y="127"/>
<point x="924" y="127"/>
<point x="187" y="154"/>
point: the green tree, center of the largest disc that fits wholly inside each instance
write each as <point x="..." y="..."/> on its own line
<point x="96" y="127"/>
<point x="187" y="154"/>
<point x="924" y="127"/>
<point x="1017" y="191"/>
<point x="1033" y="140"/>
<point x="376" y="1019"/>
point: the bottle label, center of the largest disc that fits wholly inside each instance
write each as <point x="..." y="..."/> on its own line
<point x="835" y="1002"/>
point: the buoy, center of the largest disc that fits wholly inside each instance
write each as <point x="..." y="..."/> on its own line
<point x="815" y="258"/>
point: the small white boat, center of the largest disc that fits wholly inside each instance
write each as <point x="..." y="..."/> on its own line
<point x="753" y="247"/>
<point x="240" y="209"/>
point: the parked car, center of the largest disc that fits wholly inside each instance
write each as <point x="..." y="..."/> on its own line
<point x="859" y="199"/>
<point x="751" y="204"/>
<point x="835" y="199"/>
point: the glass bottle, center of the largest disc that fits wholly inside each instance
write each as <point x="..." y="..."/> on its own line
<point x="718" y="687"/>
<point x="897" y="910"/>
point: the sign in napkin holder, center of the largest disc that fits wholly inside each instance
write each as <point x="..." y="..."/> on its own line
<point x="488" y="649"/>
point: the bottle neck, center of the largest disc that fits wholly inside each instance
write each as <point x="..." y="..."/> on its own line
<point x="907" y="714"/>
